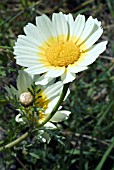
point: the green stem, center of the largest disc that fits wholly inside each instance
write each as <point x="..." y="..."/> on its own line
<point x="62" y="96"/>
<point x="24" y="136"/>
<point x="15" y="142"/>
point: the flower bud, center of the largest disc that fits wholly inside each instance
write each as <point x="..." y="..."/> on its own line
<point x="26" y="99"/>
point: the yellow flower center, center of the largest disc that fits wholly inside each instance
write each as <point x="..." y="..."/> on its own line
<point x="62" y="53"/>
<point x="41" y="102"/>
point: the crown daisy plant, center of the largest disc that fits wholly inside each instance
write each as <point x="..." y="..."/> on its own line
<point x="59" y="47"/>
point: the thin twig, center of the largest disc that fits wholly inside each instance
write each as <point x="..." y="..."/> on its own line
<point x="92" y="138"/>
<point x="108" y="58"/>
<point x="80" y="6"/>
<point x="21" y="163"/>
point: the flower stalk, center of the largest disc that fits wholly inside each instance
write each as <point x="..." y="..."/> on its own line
<point x="15" y="142"/>
<point x="27" y="134"/>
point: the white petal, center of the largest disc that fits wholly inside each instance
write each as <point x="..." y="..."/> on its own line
<point x="26" y="41"/>
<point x="32" y="31"/>
<point x="78" y="27"/>
<point x="55" y="72"/>
<point x="88" y="59"/>
<point x="44" y="136"/>
<point x="98" y="48"/>
<point x="45" y="27"/>
<point x="60" y="116"/>
<point x="26" y="48"/>
<point x="87" y="30"/>
<point x="67" y="94"/>
<point x="50" y="125"/>
<point x="60" y="24"/>
<point x="90" y="41"/>
<point x="25" y="51"/>
<point x="37" y="69"/>
<point x="27" y="57"/>
<point x="49" y="110"/>
<point x="18" y="118"/>
<point x="26" y="62"/>
<point x="52" y="104"/>
<point x="90" y="56"/>
<point x="75" y="68"/>
<point x="70" y="20"/>
<point x="42" y="80"/>
<point x="53" y="90"/>
<point x="67" y="76"/>
<point x="97" y="25"/>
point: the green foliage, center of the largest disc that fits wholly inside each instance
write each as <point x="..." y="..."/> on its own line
<point x="85" y="140"/>
<point x="2" y="70"/>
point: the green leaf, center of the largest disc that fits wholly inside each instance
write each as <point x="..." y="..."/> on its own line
<point x="103" y="159"/>
<point x="34" y="155"/>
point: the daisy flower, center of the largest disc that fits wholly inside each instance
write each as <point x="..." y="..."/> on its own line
<point x="59" y="47"/>
<point x="43" y="100"/>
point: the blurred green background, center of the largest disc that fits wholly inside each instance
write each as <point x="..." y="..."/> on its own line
<point x="86" y="140"/>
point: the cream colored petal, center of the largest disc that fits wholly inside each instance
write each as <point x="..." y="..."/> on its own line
<point x="24" y="52"/>
<point x="60" y="24"/>
<point x="45" y="27"/>
<point x="37" y="69"/>
<point x="91" y="40"/>
<point x="79" y="25"/>
<point x="67" y="94"/>
<point x="32" y="61"/>
<point x="60" y="115"/>
<point x="32" y="31"/>
<point x="42" y="80"/>
<point x="27" y="57"/>
<point x="90" y="56"/>
<point x="25" y="48"/>
<point x="89" y="25"/>
<point x="27" y="62"/>
<point x="18" y="118"/>
<point x="67" y="76"/>
<point x="24" y="64"/>
<point x="27" y="41"/>
<point x="70" y="21"/>
<point x="51" y="105"/>
<point x="74" y="68"/>
<point x="97" y="25"/>
<point x="87" y="59"/>
<point x="54" y="90"/>
<point x="45" y="136"/>
<point x="98" y="48"/>
<point x="55" y="72"/>
<point x="50" y="125"/>
<point x="19" y="50"/>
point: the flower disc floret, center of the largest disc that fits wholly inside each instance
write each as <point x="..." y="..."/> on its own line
<point x="62" y="53"/>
